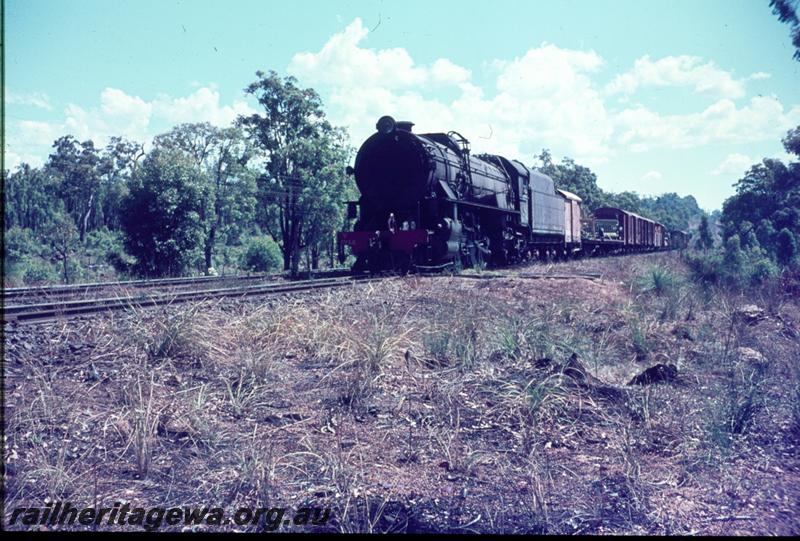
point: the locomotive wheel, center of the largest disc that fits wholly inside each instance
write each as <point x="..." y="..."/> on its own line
<point x="480" y="262"/>
<point x="474" y="257"/>
<point x="484" y="255"/>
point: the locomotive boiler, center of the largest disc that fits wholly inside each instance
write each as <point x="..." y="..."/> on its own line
<point x="426" y="201"/>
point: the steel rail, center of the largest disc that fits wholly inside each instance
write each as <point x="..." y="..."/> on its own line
<point x="55" y="310"/>
<point x="13" y="292"/>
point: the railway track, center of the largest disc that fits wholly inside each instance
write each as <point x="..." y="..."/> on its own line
<point x="48" y="311"/>
<point x="53" y="293"/>
<point x="65" y="308"/>
<point x="61" y="291"/>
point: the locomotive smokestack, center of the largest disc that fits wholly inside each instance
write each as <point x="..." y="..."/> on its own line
<point x="385" y="124"/>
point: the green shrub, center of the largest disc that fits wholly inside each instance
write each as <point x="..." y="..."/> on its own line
<point x="104" y="248"/>
<point x="12" y="274"/>
<point x="75" y="270"/>
<point x="762" y="270"/>
<point x="20" y="244"/>
<point x="37" y="272"/>
<point x="120" y="260"/>
<point x="228" y="256"/>
<point x="163" y="214"/>
<point x="734" y="266"/>
<point x="262" y="254"/>
<point x="705" y="239"/>
<point x="766" y="235"/>
<point x="660" y="281"/>
<point x="706" y="268"/>
<point x="787" y="247"/>
<point x="749" y="239"/>
<point x="733" y="257"/>
<point x="103" y="244"/>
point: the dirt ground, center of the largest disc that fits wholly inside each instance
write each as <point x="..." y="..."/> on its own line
<point x="485" y="403"/>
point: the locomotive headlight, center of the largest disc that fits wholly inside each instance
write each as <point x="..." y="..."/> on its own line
<point x="385" y="124"/>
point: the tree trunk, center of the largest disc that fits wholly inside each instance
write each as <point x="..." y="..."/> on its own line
<point x="287" y="260"/>
<point x="85" y="221"/>
<point x="295" y="259"/>
<point x="294" y="250"/>
<point x="285" y="224"/>
<point x="209" y="248"/>
<point x="286" y="234"/>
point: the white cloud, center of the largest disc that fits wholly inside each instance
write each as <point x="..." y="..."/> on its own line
<point x="118" y="113"/>
<point x="444" y="71"/>
<point x="32" y="130"/>
<point x="547" y="97"/>
<point x="13" y="160"/>
<point x="652" y="177"/>
<point x="23" y="142"/>
<point x="734" y="164"/>
<point x="35" y="99"/>
<point x="678" y="71"/>
<point x="342" y="62"/>
<point x="762" y="118"/>
<point x="115" y="102"/>
<point x="543" y="98"/>
<point x="203" y="105"/>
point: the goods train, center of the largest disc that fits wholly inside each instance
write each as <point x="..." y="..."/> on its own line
<point x="426" y="202"/>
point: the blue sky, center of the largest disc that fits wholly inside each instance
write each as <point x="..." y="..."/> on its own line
<point x="653" y="96"/>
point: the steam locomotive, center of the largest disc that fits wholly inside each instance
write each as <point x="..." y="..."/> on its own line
<point x="426" y="202"/>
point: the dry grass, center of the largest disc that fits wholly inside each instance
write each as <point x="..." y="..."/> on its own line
<point x="426" y="404"/>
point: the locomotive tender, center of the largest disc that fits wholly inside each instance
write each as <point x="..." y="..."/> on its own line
<point x="427" y="202"/>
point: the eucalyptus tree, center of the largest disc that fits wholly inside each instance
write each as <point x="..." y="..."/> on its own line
<point x="302" y="183"/>
<point x="574" y="178"/>
<point x="62" y="236"/>
<point x="118" y="162"/>
<point x="162" y="214"/>
<point x="769" y="195"/>
<point x="786" y="10"/>
<point x="76" y="165"/>
<point x="30" y="195"/>
<point x="223" y="154"/>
